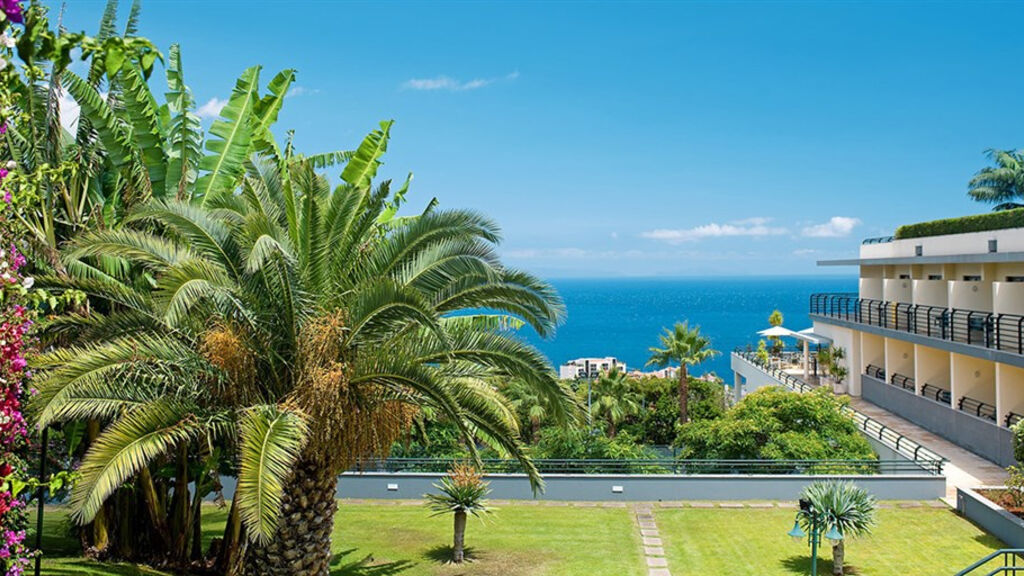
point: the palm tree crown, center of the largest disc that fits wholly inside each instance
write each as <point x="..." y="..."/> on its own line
<point x="301" y="325"/>
<point x="1002" y="184"/>
<point x="615" y="398"/>
<point x="688" y="347"/>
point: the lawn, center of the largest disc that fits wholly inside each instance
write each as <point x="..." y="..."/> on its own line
<point x="748" y="541"/>
<point x="384" y="538"/>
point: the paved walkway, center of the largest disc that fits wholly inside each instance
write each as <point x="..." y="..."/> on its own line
<point x="654" y="553"/>
<point x="964" y="468"/>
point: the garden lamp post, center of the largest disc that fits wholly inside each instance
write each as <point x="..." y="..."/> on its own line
<point x="818" y="524"/>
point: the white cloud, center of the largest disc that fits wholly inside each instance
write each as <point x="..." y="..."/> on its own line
<point x="804" y="252"/>
<point x="301" y="91"/>
<point x="69" y="112"/>
<point x="449" y="84"/>
<point x="212" y="108"/>
<point x="747" y="227"/>
<point x="836" y="227"/>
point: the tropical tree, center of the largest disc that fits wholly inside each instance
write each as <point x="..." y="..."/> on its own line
<point x="463" y="493"/>
<point x="531" y="405"/>
<point x="615" y="398"/>
<point x="299" y="327"/>
<point x="687" y="347"/>
<point x="1002" y="184"/>
<point x="839" y="505"/>
<point x="776" y="319"/>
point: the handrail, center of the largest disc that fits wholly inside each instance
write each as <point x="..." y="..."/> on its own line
<point x="878" y="240"/>
<point x="977" y="408"/>
<point x="936" y="393"/>
<point x="1009" y="560"/>
<point x="1004" y="332"/>
<point x="650" y="466"/>
<point x="1012" y="418"/>
<point x="875" y="371"/>
<point x="905" y="382"/>
<point x="922" y="456"/>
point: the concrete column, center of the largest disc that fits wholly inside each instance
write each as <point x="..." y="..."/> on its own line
<point x="737" y="388"/>
<point x="807" y="360"/>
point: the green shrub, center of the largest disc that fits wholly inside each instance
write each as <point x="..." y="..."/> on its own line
<point x="977" y="223"/>
<point x="775" y="424"/>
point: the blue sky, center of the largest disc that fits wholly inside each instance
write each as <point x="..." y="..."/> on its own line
<point x="640" y="139"/>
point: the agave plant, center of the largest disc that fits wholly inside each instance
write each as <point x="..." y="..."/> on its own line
<point x="842" y="506"/>
<point x="463" y="493"/>
<point x="300" y="325"/>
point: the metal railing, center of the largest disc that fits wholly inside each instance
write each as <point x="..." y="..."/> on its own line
<point x="875" y="372"/>
<point x="1003" y="332"/>
<point x="651" y="466"/>
<point x="924" y="458"/>
<point x="1010" y="561"/>
<point x="1012" y="418"/>
<point x="905" y="382"/>
<point x="977" y="408"/>
<point x="937" y="394"/>
<point x="877" y="240"/>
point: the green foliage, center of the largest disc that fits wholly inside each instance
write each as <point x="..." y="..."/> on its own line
<point x="614" y="398"/>
<point x="462" y="490"/>
<point x="683" y="345"/>
<point x="776" y="424"/>
<point x="434" y="439"/>
<point x="839" y="504"/>
<point x="1018" y="442"/>
<point x="1015" y="485"/>
<point x="1012" y="218"/>
<point x="1002" y="184"/>
<point x="576" y="443"/>
<point x="763" y="355"/>
<point x="831" y="360"/>
<point x="776" y="318"/>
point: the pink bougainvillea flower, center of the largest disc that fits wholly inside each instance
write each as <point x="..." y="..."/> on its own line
<point x="12" y="8"/>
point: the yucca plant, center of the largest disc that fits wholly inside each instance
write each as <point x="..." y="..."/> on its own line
<point x="463" y="493"/>
<point x="840" y="505"/>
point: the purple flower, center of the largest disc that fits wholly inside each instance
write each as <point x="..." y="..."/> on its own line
<point x="13" y="10"/>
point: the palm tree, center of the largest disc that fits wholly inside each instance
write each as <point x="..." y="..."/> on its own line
<point x="688" y="347"/>
<point x="615" y="398"/>
<point x="300" y="327"/>
<point x="842" y="505"/>
<point x="530" y="404"/>
<point x="1002" y="184"/>
<point x="462" y="494"/>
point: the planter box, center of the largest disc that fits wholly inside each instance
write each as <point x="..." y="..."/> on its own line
<point x="990" y="516"/>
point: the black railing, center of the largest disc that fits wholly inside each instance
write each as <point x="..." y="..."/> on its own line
<point x="936" y="393"/>
<point x="653" y="466"/>
<point x="1012" y="418"/>
<point x="905" y="382"/>
<point x="978" y="328"/>
<point x="977" y="408"/>
<point x="923" y="457"/>
<point x="878" y="240"/>
<point x="875" y="372"/>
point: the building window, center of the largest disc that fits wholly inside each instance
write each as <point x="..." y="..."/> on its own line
<point x="935" y="276"/>
<point x="904" y="276"/>
<point x="972" y="278"/>
<point x="1015" y="278"/>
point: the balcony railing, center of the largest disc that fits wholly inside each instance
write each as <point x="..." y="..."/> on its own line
<point x="875" y="372"/>
<point x="987" y="329"/>
<point x="905" y="382"/>
<point x="1012" y="418"/>
<point x="936" y="393"/>
<point x="878" y="240"/>
<point x="977" y="408"/>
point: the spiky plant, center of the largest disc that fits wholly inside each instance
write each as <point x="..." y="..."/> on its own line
<point x="462" y="494"/>
<point x="1002" y="184"/>
<point x="842" y="505"/>
<point x="301" y="326"/>
<point x="688" y="347"/>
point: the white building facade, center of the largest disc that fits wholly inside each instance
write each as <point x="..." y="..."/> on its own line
<point x="588" y="367"/>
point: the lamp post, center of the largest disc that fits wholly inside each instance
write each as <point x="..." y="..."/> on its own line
<point x="818" y="522"/>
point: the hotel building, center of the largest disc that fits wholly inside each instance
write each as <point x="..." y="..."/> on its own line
<point x="935" y="333"/>
<point x="589" y="367"/>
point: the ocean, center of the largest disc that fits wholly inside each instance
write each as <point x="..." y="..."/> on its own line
<point x="624" y="317"/>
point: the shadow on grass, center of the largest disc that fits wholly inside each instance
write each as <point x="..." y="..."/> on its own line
<point x="443" y="554"/>
<point x="802" y="565"/>
<point x="88" y="568"/>
<point x="341" y="565"/>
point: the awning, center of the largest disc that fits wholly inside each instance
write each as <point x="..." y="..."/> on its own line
<point x="808" y="335"/>
<point x="778" y="332"/>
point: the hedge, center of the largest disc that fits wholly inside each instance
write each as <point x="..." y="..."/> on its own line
<point x="977" y="223"/>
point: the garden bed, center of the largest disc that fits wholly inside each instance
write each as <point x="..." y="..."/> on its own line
<point x="1005" y="498"/>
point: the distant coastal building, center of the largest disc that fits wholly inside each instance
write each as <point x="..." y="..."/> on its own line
<point x="668" y="372"/>
<point x="588" y="367"/>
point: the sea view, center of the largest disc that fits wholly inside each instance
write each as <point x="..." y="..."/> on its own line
<point x="624" y="317"/>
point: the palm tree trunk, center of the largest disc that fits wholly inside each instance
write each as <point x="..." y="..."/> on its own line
<point x="302" y="543"/>
<point x="838" y="558"/>
<point x="611" y="428"/>
<point x="684" y="394"/>
<point x="459" y="545"/>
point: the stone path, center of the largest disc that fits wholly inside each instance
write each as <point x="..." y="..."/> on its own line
<point x="654" y="552"/>
<point x="964" y="469"/>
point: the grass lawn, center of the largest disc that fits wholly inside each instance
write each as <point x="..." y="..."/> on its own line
<point x="384" y="538"/>
<point x="754" y="541"/>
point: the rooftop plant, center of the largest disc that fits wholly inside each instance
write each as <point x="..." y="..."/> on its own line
<point x="1001" y="220"/>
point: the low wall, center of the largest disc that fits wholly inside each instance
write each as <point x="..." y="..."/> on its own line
<point x="650" y="488"/>
<point x="978" y="435"/>
<point x="991" y="517"/>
